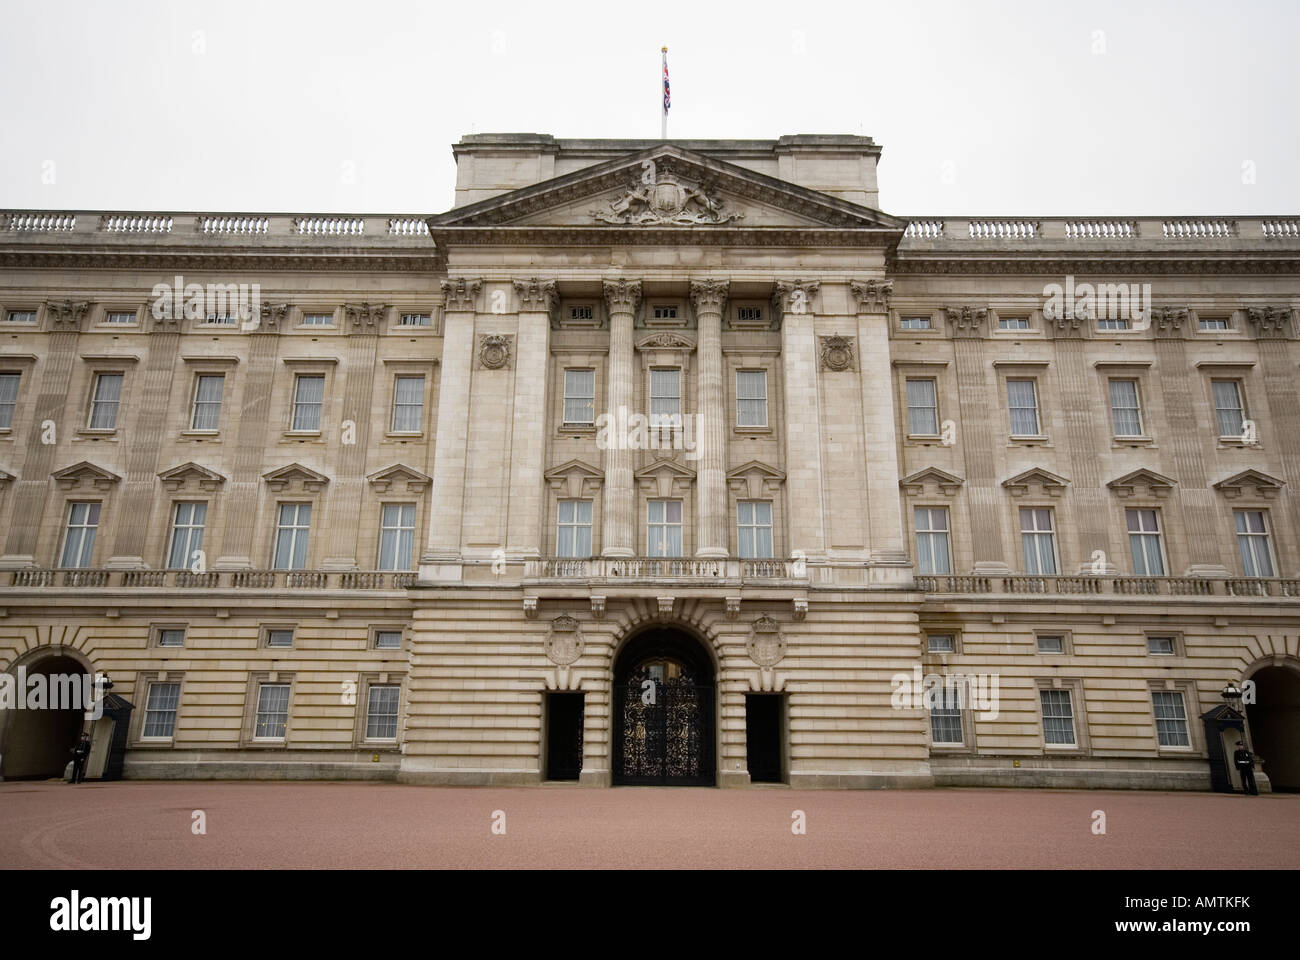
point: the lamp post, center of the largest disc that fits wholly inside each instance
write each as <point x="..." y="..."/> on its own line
<point x="1232" y="696"/>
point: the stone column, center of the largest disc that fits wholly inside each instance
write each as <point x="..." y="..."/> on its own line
<point x="709" y="298"/>
<point x="792" y="303"/>
<point x="619" y="530"/>
<point x="1276" y="362"/>
<point x="884" y="508"/>
<point x="538" y="301"/>
<point x="442" y="548"/>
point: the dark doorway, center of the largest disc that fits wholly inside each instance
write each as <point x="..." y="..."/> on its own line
<point x="564" y="715"/>
<point x="1274" y="720"/>
<point x="663" y="711"/>
<point x="763" y="717"/>
<point x="38" y="743"/>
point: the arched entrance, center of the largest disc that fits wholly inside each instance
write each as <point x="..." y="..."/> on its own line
<point x="664" y="711"/>
<point x="37" y="744"/>
<point x="1274" y="720"/>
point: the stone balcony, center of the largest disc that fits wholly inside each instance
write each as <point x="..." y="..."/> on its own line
<point x="729" y="571"/>
<point x="88" y="578"/>
<point x="1111" y="234"/>
<point x="1086" y="585"/>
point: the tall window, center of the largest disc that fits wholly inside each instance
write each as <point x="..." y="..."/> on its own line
<point x="573" y="535"/>
<point x="664" y="530"/>
<point x="1058" y="717"/>
<point x="1144" y="541"/>
<point x="1171" y="718"/>
<point x="160" y="710"/>
<point x="8" y="399"/>
<point x="914" y="323"/>
<point x="272" y="711"/>
<point x="207" y="401"/>
<point x="1228" y="407"/>
<point x="105" y="400"/>
<point x="666" y="397"/>
<point x="1022" y="401"/>
<point x="1124" y="412"/>
<point x="308" y="397"/>
<point x="291" y="536"/>
<point x="922" y="409"/>
<point x="79" y="538"/>
<point x="580" y="396"/>
<point x="381" y="712"/>
<point x="1253" y="542"/>
<point x="754" y="527"/>
<point x="932" y="553"/>
<point x="187" y="534"/>
<point x="945" y="716"/>
<point x="408" y="404"/>
<point x="1038" y="540"/>
<point x="396" y="536"/>
<point x="751" y="398"/>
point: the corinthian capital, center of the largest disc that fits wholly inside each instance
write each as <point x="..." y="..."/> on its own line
<point x="709" y="295"/>
<point x="1269" y="322"/>
<point x="460" y="293"/>
<point x="872" y="295"/>
<point x="794" y="297"/>
<point x="66" y="314"/>
<point x="622" y="296"/>
<point x="537" y="296"/>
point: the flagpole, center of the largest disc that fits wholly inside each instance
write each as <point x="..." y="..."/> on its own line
<point x="663" y="99"/>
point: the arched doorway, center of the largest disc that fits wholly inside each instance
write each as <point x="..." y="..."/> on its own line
<point x="1274" y="720"/>
<point x="37" y="744"/>
<point x="664" y="711"/>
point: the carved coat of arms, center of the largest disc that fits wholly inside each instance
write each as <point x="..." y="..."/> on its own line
<point x="661" y="197"/>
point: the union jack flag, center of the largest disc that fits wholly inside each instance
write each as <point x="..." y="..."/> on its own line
<point x="667" y="98"/>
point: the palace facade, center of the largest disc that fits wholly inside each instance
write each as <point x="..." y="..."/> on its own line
<point x="668" y="462"/>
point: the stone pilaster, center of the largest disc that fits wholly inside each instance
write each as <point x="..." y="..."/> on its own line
<point x="792" y="303"/>
<point x="1273" y="328"/>
<point x="538" y="301"/>
<point x="619" y="530"/>
<point x="709" y="298"/>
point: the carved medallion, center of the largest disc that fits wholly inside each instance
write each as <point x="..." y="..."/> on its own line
<point x="494" y="350"/>
<point x="765" y="646"/>
<point x="837" y="353"/>
<point x="665" y="198"/>
<point x="564" y="643"/>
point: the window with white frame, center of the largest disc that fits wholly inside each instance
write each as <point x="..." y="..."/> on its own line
<point x="1112" y="323"/>
<point x="1058" y="718"/>
<point x="933" y="555"/>
<point x="1145" y="542"/>
<point x="922" y="408"/>
<point x="208" y="388"/>
<point x="582" y="311"/>
<point x="160" y="710"/>
<point x="1038" y="539"/>
<point x="1228" y="407"/>
<point x="79" y="537"/>
<point x="104" y="401"/>
<point x="664" y="528"/>
<point x="580" y="395"/>
<point x="221" y="319"/>
<point x="21" y="316"/>
<point x="664" y="311"/>
<point x="121" y="317"/>
<point x="940" y="643"/>
<point x="914" y="323"/>
<point x="945" y="716"/>
<point x="1171" y="718"/>
<point x="1013" y="323"/>
<point x="396" y="536"/>
<point x="1212" y="324"/>
<point x="1125" y="413"/>
<point x="292" y="526"/>
<point x="279" y="637"/>
<point x="416" y="320"/>
<point x="573" y="532"/>
<point x="1022" y="403"/>
<point x="1160" y="645"/>
<point x="318" y="319"/>
<point x="8" y="398"/>
<point x="188" y="521"/>
<point x="1254" y="543"/>
<point x="171" y="636"/>
<point x="749" y="314"/>
<point x="308" y="398"/>
<point x="666" y="397"/>
<point x="1050" y="642"/>
<point x="751" y="398"/>
<point x="388" y="639"/>
<point x="408" y="404"/>
<point x="754" y="529"/>
<point x="272" y="711"/>
<point x="381" y="711"/>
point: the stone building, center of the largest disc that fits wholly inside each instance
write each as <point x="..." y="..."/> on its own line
<point x="654" y="462"/>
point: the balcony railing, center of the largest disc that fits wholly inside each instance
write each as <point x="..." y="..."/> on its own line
<point x="731" y="569"/>
<point x="286" y="580"/>
<point x="1123" y="232"/>
<point x="1088" y="585"/>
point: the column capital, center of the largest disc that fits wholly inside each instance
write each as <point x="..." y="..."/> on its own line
<point x="622" y="296"/>
<point x="364" y="317"/>
<point x="459" y="293"/>
<point x="66" y="314"/>
<point x="709" y="295"/>
<point x="1269" y="322"/>
<point x="873" y="296"/>
<point x="793" y="296"/>
<point x="966" y="321"/>
<point x="537" y="296"/>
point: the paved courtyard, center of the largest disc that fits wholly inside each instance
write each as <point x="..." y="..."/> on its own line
<point x="350" y="825"/>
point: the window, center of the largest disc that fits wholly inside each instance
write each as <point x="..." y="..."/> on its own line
<point x="666" y="397"/>
<point x="945" y="716"/>
<point x="187" y="534"/>
<point x="1051" y="643"/>
<point x="171" y="637"/>
<point x="922" y="409"/>
<point x="1228" y="407"/>
<point x="120" y="316"/>
<point x="914" y="323"/>
<point x="160" y="711"/>
<point x="1144" y="542"/>
<point x="754" y="522"/>
<point x="291" y="531"/>
<point x="1058" y="717"/>
<point x="1208" y="324"/>
<point x="1161" y="646"/>
<point x="573" y="536"/>
<point x="940" y="643"/>
<point x="104" y="401"/>
<point x="1171" y="718"/>
<point x="581" y="311"/>
<point x="580" y="396"/>
<point x="416" y="320"/>
<point x="279" y="637"/>
<point x="1038" y="540"/>
<point x="1013" y="323"/>
<point x="21" y="316"/>
<point x="1253" y="542"/>
<point x="308" y="397"/>
<point x="381" y="712"/>
<point x="396" y="536"/>
<point x="1022" y="401"/>
<point x="8" y="399"/>
<point x="664" y="533"/>
<point x="1124" y="412"/>
<point x="749" y="314"/>
<point x="1112" y="323"/>
<point x="932" y="554"/>
<point x="665" y="312"/>
<point x="207" y="401"/>
<point x="318" y="319"/>
<point x="408" y="404"/>
<point x="388" y="639"/>
<point x="751" y="398"/>
<point x="79" y="540"/>
<point x="272" y="711"/>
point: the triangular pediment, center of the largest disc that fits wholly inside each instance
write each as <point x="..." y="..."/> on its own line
<point x="87" y="473"/>
<point x="191" y="472"/>
<point x="1047" y="481"/>
<point x="575" y="479"/>
<point x="1156" y="483"/>
<point x="946" y="482"/>
<point x="755" y="479"/>
<point x="665" y="478"/>
<point x="415" y="481"/>
<point x="295" y="474"/>
<point x="1241" y="483"/>
<point x="665" y="186"/>
<point x="5" y="477"/>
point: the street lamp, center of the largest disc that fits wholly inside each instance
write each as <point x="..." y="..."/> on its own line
<point x="1232" y="696"/>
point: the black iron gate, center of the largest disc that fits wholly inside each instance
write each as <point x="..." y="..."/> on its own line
<point x="665" y="735"/>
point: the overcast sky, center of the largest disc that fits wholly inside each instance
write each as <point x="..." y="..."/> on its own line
<point x="1032" y="108"/>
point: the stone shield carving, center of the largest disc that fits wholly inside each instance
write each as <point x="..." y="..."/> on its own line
<point x="494" y="350"/>
<point x="837" y="353"/>
<point x="564" y="643"/>
<point x="765" y="646"/>
<point x="666" y="198"/>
